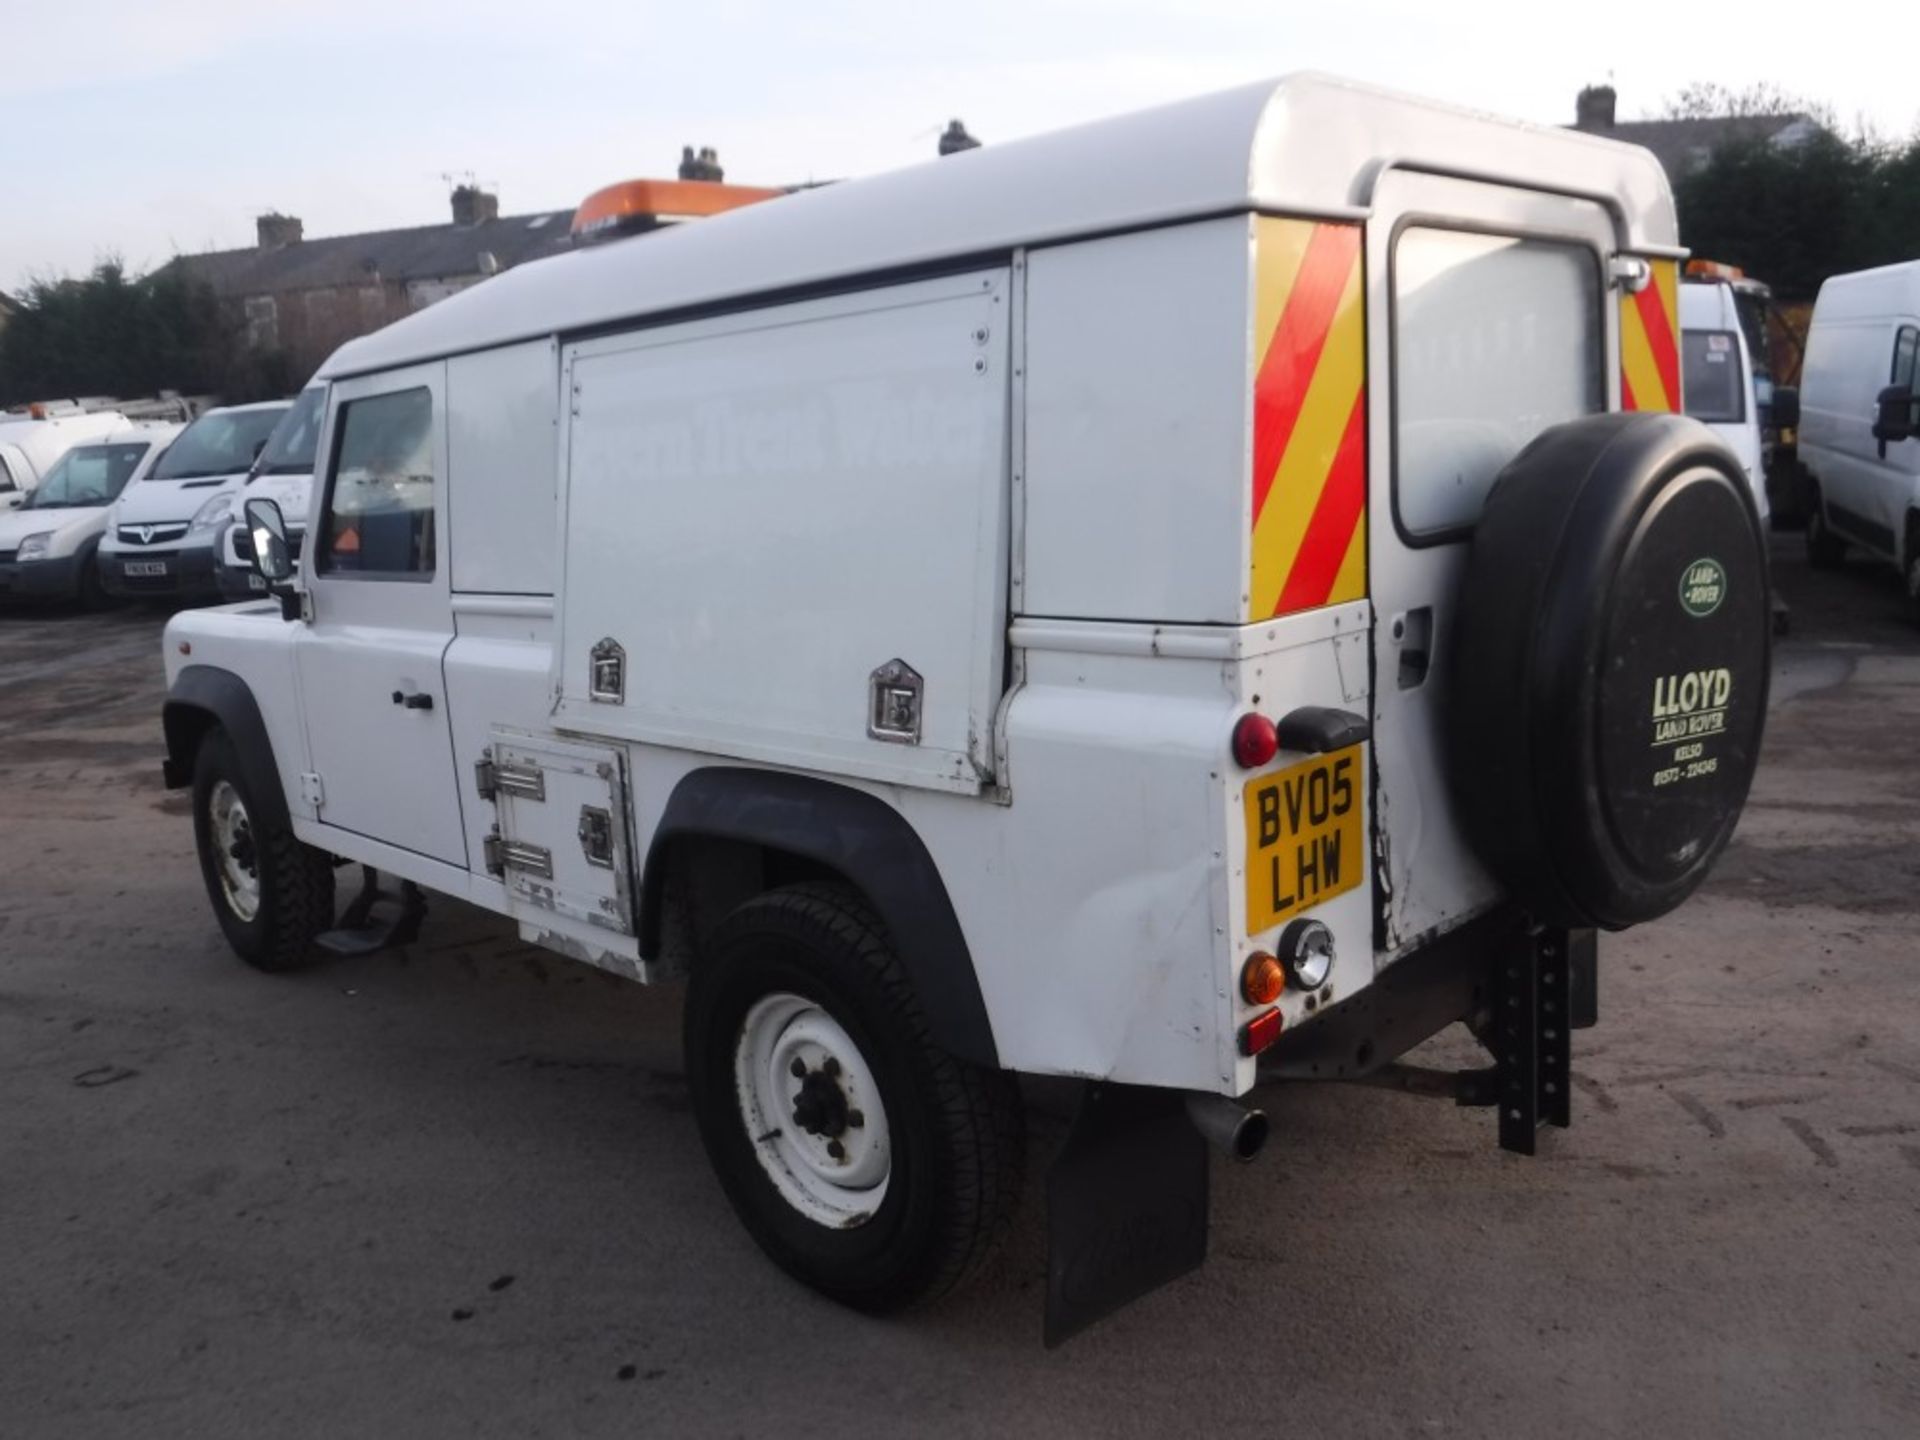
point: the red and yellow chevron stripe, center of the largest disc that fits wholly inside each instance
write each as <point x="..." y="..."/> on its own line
<point x="1650" y="342"/>
<point x="1309" y="418"/>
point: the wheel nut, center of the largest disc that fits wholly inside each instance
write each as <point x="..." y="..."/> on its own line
<point x="798" y="1069"/>
<point x="836" y="1150"/>
<point x="831" y="1066"/>
<point x="855" y="1119"/>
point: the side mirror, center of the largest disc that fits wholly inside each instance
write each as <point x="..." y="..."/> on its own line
<point x="1893" y="415"/>
<point x="1785" y="411"/>
<point x="268" y="529"/>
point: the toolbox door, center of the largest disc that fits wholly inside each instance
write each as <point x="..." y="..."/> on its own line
<point x="1489" y="319"/>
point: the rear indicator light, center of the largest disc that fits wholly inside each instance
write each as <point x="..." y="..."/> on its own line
<point x="1260" y="1033"/>
<point x="1262" y="978"/>
<point x="1255" y="741"/>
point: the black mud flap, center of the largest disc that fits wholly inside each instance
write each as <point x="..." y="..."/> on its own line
<point x="1126" y="1205"/>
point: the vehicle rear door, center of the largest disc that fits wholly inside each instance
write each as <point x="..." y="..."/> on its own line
<point x="377" y="577"/>
<point x="1489" y="319"/>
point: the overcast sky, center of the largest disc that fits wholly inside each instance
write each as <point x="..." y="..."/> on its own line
<point x="141" y="129"/>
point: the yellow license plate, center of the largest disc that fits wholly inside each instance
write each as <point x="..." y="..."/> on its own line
<point x="1305" y="841"/>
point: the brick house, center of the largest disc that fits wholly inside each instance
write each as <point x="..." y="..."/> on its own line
<point x="300" y="299"/>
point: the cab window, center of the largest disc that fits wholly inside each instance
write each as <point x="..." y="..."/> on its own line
<point x="1496" y="337"/>
<point x="379" y="517"/>
<point x="1710" y="377"/>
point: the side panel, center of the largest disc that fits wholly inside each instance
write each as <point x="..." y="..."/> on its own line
<point x="763" y="510"/>
<point x="1136" y="426"/>
<point x="502" y="437"/>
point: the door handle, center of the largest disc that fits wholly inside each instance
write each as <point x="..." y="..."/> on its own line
<point x="419" y="700"/>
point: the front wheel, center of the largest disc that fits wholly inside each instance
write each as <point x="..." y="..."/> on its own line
<point x="271" y="893"/>
<point x="1825" y="550"/>
<point x="866" y="1161"/>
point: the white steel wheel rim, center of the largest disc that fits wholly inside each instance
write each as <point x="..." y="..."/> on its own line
<point x="821" y="1136"/>
<point x="235" y="858"/>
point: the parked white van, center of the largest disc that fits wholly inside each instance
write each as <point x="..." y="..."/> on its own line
<point x="1717" y="376"/>
<point x="1858" y="420"/>
<point x="31" y="444"/>
<point x="283" y="474"/>
<point x="47" y="545"/>
<point x="1174" y="604"/>
<point x="160" y="536"/>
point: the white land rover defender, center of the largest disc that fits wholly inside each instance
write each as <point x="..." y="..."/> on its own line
<point x="1210" y="597"/>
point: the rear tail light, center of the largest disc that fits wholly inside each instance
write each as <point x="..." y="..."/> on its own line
<point x="1260" y="1032"/>
<point x="1255" y="741"/>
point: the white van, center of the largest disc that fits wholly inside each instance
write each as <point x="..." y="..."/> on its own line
<point x="30" y="445"/>
<point x="160" y="537"/>
<point x="1717" y="376"/>
<point x="283" y="474"/>
<point x="1859" y="428"/>
<point x="1178" y="603"/>
<point x="47" y="545"/>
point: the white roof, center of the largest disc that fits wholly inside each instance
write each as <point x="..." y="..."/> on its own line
<point x="1870" y="294"/>
<point x="1307" y="144"/>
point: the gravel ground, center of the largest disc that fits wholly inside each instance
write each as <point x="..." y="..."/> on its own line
<point x="456" y="1190"/>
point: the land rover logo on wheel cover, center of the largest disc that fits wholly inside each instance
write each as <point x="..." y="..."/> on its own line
<point x="1703" y="585"/>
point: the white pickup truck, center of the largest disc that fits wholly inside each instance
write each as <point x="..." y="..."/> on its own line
<point x="1213" y="596"/>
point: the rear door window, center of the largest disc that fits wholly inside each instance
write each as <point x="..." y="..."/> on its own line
<point x="1710" y="376"/>
<point x="1496" y="337"/>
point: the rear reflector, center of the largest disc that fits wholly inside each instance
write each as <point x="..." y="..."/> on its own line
<point x="1261" y="1032"/>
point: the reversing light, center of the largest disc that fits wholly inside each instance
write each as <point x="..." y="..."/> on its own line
<point x="1255" y="741"/>
<point x="1260" y="1032"/>
<point x="1262" y="978"/>
<point x="1306" y="950"/>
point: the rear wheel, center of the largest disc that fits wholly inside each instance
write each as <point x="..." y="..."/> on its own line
<point x="1912" y="567"/>
<point x="863" y="1159"/>
<point x="271" y="893"/>
<point x="1825" y="550"/>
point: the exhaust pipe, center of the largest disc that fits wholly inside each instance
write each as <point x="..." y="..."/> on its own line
<point x="1227" y="1125"/>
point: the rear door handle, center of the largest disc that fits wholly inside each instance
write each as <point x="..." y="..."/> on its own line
<point x="419" y="700"/>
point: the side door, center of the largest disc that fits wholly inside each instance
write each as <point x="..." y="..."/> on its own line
<point x="1488" y="321"/>
<point x="1887" y="488"/>
<point x="370" y="659"/>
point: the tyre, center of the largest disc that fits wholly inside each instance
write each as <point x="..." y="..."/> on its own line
<point x="1825" y="550"/>
<point x="271" y="893"/>
<point x="1911" y="570"/>
<point x="866" y="1161"/>
<point x="1608" y="688"/>
<point x="92" y="592"/>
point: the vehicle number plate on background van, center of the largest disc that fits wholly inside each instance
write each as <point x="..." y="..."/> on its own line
<point x="146" y="567"/>
<point x="1304" y="837"/>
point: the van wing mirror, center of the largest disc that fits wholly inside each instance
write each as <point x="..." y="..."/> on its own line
<point x="1893" y="418"/>
<point x="268" y="528"/>
<point x="1784" y="413"/>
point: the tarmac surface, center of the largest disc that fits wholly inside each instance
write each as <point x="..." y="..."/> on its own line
<point x="456" y="1190"/>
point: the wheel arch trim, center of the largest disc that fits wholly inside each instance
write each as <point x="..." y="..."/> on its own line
<point x="858" y="836"/>
<point x="203" y="696"/>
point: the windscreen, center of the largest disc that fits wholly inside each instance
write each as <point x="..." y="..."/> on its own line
<point x="88" y="475"/>
<point x="1710" y="371"/>
<point x="221" y="442"/>
<point x="290" y="450"/>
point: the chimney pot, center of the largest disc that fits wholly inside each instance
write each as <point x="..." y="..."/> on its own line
<point x="703" y="164"/>
<point x="276" y="231"/>
<point x="474" y="206"/>
<point x="1593" y="108"/>
<point x="955" y="139"/>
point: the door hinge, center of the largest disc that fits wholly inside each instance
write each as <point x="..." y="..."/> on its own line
<point x="503" y="855"/>
<point x="312" y="792"/>
<point x="491" y="777"/>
